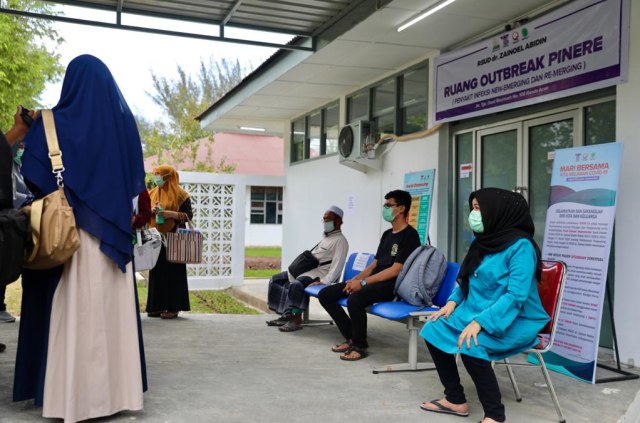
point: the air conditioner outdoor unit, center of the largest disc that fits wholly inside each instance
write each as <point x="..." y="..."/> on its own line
<point x="356" y="146"/>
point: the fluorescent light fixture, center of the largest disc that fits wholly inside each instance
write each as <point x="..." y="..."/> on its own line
<point x="251" y="128"/>
<point x="429" y="11"/>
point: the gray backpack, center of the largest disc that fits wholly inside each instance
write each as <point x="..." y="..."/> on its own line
<point x="421" y="276"/>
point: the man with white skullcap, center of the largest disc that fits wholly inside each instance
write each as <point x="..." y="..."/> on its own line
<point x="286" y="292"/>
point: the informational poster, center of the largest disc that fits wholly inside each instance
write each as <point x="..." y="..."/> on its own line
<point x="580" y="47"/>
<point x="578" y="231"/>
<point x="420" y="186"/>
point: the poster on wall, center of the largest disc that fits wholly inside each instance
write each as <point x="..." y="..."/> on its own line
<point x="578" y="231"/>
<point x="420" y="186"/>
<point x="580" y="47"/>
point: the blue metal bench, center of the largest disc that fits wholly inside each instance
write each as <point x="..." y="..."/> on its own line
<point x="413" y="316"/>
<point x="355" y="264"/>
<point x="401" y="311"/>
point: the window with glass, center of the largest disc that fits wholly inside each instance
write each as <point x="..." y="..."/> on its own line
<point x="266" y="205"/>
<point x="600" y="123"/>
<point x="397" y="105"/>
<point x="358" y="106"/>
<point x="315" y="134"/>
<point x="413" y="101"/>
<point x="332" y="128"/>
<point x="297" y="140"/>
<point x="384" y="107"/>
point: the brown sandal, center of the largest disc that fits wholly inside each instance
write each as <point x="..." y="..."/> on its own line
<point x="342" y="348"/>
<point x="169" y="315"/>
<point x="362" y="353"/>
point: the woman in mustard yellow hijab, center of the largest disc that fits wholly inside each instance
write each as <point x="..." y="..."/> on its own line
<point x="170" y="209"/>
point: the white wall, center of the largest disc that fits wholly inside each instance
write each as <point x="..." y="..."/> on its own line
<point x="627" y="275"/>
<point x="314" y="185"/>
<point x="268" y="235"/>
<point x="260" y="235"/>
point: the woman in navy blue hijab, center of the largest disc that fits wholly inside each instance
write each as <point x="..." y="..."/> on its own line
<point x="78" y="352"/>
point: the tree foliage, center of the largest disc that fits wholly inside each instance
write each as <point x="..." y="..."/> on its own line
<point x="26" y="65"/>
<point x="182" y="100"/>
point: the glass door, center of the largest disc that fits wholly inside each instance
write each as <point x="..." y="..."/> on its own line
<point x="500" y="157"/>
<point x="542" y="137"/>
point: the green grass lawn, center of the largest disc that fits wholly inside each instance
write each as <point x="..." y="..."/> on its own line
<point x="260" y="273"/>
<point x="269" y="252"/>
<point x="263" y="252"/>
<point x="206" y="302"/>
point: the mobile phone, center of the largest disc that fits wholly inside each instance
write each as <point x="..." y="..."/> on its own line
<point x="25" y="116"/>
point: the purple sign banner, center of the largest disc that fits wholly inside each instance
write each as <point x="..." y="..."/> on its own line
<point x="580" y="47"/>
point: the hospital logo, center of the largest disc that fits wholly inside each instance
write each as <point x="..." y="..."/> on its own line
<point x="585" y="157"/>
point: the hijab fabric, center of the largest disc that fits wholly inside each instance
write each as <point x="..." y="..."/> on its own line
<point x="170" y="195"/>
<point x="506" y="219"/>
<point x="102" y="155"/>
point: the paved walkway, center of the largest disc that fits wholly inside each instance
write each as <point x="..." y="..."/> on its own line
<point x="229" y="368"/>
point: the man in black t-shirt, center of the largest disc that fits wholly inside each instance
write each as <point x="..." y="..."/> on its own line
<point x="376" y="282"/>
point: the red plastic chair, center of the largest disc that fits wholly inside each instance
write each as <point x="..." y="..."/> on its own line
<point x="551" y="288"/>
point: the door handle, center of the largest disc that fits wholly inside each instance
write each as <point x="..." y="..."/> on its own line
<point x="520" y="190"/>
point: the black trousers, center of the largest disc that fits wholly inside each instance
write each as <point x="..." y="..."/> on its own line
<point x="283" y="295"/>
<point x="3" y="289"/>
<point x="354" y="326"/>
<point x="482" y="374"/>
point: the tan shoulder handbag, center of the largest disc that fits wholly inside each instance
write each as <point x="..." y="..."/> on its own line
<point x="53" y="226"/>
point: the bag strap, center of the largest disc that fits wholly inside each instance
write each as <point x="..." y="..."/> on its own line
<point x="36" y="216"/>
<point x="55" y="155"/>
<point x="139" y="237"/>
<point x="324" y="262"/>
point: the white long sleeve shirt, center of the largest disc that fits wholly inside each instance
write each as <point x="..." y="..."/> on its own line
<point x="334" y="247"/>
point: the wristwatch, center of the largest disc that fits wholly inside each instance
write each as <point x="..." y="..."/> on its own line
<point x="363" y="282"/>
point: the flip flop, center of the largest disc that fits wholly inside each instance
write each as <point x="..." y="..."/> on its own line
<point x="443" y="409"/>
<point x="361" y="354"/>
<point x="290" y="326"/>
<point x="280" y="321"/>
<point x="340" y="348"/>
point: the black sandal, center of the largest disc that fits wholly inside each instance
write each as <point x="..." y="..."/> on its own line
<point x="290" y="326"/>
<point x="280" y="321"/>
<point x="362" y="353"/>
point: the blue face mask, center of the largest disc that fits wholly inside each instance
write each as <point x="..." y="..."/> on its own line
<point x="387" y="214"/>
<point x="475" y="221"/>
<point x="158" y="181"/>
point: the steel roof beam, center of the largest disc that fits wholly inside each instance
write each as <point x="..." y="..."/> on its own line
<point x="157" y="31"/>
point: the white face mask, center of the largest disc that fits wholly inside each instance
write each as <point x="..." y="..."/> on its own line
<point x="329" y="227"/>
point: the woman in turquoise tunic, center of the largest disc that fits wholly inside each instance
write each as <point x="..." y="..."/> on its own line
<point x="495" y="311"/>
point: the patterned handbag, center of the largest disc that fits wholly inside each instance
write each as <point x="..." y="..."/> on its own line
<point x="185" y="245"/>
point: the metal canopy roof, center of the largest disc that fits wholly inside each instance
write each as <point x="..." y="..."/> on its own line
<point x="299" y="18"/>
<point x="291" y="84"/>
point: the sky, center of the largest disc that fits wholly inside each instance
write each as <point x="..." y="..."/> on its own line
<point x="132" y="56"/>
